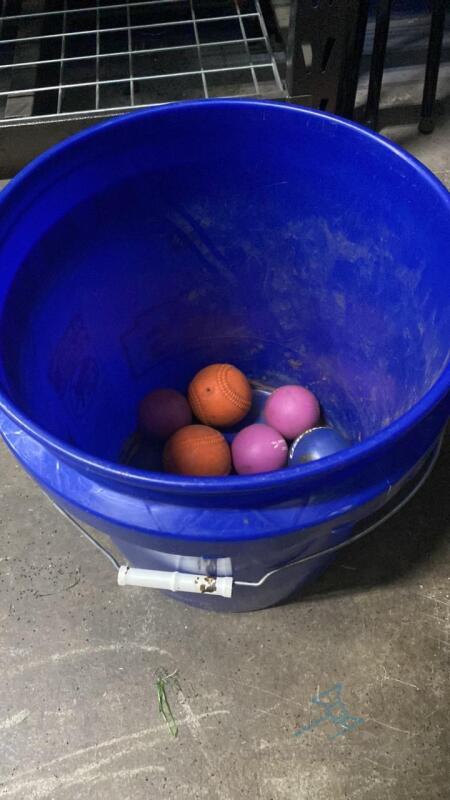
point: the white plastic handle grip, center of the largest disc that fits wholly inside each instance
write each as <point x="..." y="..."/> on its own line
<point x="175" y="581"/>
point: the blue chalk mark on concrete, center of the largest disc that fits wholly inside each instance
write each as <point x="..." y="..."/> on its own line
<point x="334" y="710"/>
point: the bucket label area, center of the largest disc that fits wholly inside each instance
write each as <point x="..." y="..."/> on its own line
<point x="73" y="372"/>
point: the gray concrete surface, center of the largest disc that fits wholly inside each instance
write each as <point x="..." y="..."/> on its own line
<point x="79" y="716"/>
<point x="79" y="658"/>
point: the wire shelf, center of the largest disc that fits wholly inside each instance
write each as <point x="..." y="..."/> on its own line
<point x="63" y="59"/>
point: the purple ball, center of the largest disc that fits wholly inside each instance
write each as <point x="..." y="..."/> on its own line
<point x="292" y="410"/>
<point x="258" y="448"/>
<point x="163" y="412"/>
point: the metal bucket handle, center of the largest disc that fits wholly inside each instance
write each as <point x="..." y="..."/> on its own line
<point x="223" y="586"/>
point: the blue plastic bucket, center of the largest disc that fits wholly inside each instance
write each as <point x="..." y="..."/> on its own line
<point x="296" y="245"/>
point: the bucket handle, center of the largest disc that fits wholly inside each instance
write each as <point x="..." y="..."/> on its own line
<point x="223" y="586"/>
<point x="360" y="534"/>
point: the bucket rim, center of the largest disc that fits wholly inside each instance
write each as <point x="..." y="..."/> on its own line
<point x="281" y="479"/>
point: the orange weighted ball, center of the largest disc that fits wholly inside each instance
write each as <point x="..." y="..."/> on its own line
<point x="220" y="395"/>
<point x="197" y="450"/>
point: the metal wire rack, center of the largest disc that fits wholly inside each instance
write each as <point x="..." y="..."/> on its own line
<point x="63" y="59"/>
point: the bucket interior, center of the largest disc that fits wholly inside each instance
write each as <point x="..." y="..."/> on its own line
<point x="291" y="245"/>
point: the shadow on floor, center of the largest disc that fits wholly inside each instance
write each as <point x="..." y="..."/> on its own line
<point x="417" y="533"/>
<point x="407" y="114"/>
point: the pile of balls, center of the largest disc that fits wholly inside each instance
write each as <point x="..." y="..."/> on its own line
<point x="220" y="396"/>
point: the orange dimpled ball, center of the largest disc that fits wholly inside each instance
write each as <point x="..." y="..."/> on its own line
<point x="220" y="395"/>
<point x="197" y="450"/>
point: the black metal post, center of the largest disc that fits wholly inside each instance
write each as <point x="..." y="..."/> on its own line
<point x="377" y="62"/>
<point x="426" y="123"/>
<point x="347" y="98"/>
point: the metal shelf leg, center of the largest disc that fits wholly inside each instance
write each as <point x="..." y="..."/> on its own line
<point x="377" y="63"/>
<point x="426" y="123"/>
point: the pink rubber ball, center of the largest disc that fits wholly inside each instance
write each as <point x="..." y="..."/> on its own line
<point x="292" y="410"/>
<point x="258" y="448"/>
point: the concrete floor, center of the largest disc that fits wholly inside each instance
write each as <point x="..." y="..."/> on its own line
<point x="79" y="659"/>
